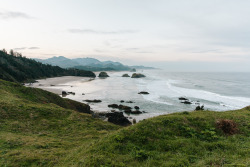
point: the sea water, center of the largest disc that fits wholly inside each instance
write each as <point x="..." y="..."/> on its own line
<point x="216" y="91"/>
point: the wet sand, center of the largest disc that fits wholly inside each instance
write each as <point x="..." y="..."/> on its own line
<point x="56" y="85"/>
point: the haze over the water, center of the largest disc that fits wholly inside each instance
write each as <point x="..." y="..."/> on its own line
<point x="178" y="35"/>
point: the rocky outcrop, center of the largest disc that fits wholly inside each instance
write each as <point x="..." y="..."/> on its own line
<point x="113" y="105"/>
<point x="199" y="108"/>
<point x="103" y="75"/>
<point x="136" y="107"/>
<point x="118" y="118"/>
<point x="93" y="101"/>
<point x="120" y="107"/>
<point x="143" y="93"/>
<point x="138" y="75"/>
<point x="183" y="98"/>
<point x="125" y="75"/>
<point x="186" y="102"/>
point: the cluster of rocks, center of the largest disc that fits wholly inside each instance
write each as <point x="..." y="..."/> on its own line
<point x="64" y="93"/>
<point x="198" y="108"/>
<point x="127" y="109"/>
<point x="118" y="118"/>
<point x="185" y="100"/>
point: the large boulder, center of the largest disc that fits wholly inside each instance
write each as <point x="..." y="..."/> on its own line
<point x="118" y="118"/>
<point x="125" y="75"/>
<point x="103" y="75"/>
<point x="138" y="75"/>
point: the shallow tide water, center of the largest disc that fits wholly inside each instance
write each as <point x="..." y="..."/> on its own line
<point x="216" y="91"/>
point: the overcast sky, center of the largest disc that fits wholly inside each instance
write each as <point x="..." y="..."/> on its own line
<point x="202" y="35"/>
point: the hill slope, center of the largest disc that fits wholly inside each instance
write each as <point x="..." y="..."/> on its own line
<point x="21" y="69"/>
<point x="180" y="139"/>
<point x="38" y="128"/>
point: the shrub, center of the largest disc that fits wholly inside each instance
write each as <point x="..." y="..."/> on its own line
<point x="229" y="127"/>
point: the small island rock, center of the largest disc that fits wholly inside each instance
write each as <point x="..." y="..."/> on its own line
<point x="103" y="75"/>
<point x="138" y="75"/>
<point x="125" y="75"/>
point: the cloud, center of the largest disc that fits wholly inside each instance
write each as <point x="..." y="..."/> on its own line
<point x="91" y="31"/>
<point x="14" y="15"/>
<point x="33" y="48"/>
<point x="19" y="48"/>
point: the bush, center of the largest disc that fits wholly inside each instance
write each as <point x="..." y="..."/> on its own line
<point x="229" y="127"/>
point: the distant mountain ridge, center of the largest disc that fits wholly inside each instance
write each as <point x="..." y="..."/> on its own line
<point x="91" y="64"/>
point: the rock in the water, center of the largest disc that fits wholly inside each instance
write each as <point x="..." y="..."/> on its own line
<point x="83" y="94"/>
<point x="136" y="112"/>
<point x="186" y="102"/>
<point x="138" y="75"/>
<point x="129" y="102"/>
<point x="127" y="111"/>
<point x="113" y="105"/>
<point x="93" y="101"/>
<point x="118" y="119"/>
<point x="103" y="75"/>
<point x="122" y="101"/>
<point x="125" y="75"/>
<point x="122" y="107"/>
<point x="64" y="93"/>
<point x="183" y="98"/>
<point x="143" y="93"/>
<point x="137" y="108"/>
<point x="73" y="93"/>
<point x="199" y="108"/>
<point x="133" y="70"/>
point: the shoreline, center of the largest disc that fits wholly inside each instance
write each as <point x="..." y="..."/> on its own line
<point x="51" y="84"/>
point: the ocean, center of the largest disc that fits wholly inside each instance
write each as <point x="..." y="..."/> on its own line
<point x="216" y="91"/>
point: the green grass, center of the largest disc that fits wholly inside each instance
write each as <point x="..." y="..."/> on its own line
<point x="180" y="139"/>
<point x="38" y="128"/>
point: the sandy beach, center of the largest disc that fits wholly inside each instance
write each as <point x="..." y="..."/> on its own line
<point x="56" y="85"/>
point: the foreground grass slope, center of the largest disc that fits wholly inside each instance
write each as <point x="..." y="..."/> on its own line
<point x="38" y="128"/>
<point x="180" y="139"/>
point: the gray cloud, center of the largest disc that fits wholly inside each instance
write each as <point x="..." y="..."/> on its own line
<point x="33" y="48"/>
<point x="91" y="31"/>
<point x="14" y="15"/>
<point x="19" y="48"/>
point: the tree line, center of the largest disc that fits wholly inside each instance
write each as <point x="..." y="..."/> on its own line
<point x="18" y="68"/>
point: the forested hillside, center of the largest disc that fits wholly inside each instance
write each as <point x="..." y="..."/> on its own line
<point x="15" y="67"/>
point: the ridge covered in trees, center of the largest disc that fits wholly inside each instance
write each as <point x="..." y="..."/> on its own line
<point x="15" y="67"/>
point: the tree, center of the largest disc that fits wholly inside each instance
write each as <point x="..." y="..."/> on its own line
<point x="4" y="51"/>
<point x="12" y="52"/>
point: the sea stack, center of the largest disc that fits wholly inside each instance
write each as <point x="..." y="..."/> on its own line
<point x="103" y="75"/>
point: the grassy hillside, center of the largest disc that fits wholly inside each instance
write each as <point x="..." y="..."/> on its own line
<point x="38" y="128"/>
<point x="180" y="139"/>
<point x="21" y="69"/>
